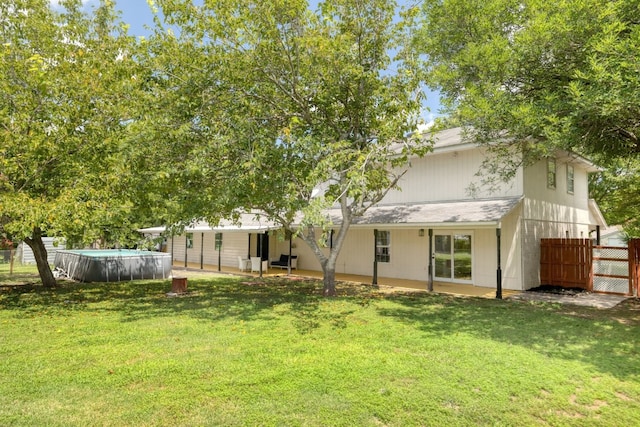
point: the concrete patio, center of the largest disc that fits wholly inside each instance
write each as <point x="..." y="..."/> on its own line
<point x="384" y="282"/>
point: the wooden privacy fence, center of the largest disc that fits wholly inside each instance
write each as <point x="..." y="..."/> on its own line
<point x="577" y="263"/>
<point x="566" y="262"/>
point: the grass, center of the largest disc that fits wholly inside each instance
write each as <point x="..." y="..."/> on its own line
<point x="235" y="352"/>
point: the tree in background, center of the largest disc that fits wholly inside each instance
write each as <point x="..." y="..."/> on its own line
<point x="551" y="75"/>
<point x="289" y="111"/>
<point x="67" y="92"/>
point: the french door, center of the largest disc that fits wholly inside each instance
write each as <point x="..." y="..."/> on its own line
<point x="453" y="257"/>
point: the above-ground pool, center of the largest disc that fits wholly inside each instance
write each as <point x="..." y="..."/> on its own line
<point x="113" y="265"/>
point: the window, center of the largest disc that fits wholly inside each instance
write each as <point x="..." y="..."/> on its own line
<point x="189" y="240"/>
<point x="218" y="241"/>
<point x="383" y="244"/>
<point x="551" y="173"/>
<point x="570" y="179"/>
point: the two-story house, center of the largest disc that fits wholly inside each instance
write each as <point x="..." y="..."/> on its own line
<point x="434" y="225"/>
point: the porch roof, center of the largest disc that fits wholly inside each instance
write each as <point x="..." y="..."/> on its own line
<point x="247" y="222"/>
<point x="468" y="213"/>
<point x="452" y="214"/>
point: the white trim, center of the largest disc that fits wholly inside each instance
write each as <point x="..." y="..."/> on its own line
<point x="453" y="233"/>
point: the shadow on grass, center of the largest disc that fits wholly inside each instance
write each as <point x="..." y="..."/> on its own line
<point x="208" y="299"/>
<point x="588" y="335"/>
<point x="584" y="334"/>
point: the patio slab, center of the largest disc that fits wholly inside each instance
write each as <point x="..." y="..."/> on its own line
<point x="586" y="299"/>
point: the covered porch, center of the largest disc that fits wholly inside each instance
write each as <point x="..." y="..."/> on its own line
<point x="458" y="289"/>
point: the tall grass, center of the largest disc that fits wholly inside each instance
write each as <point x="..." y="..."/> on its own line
<point x="275" y="352"/>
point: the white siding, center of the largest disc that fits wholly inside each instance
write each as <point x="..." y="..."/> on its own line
<point x="447" y="176"/>
<point x="50" y="243"/>
<point x="511" y="252"/>
<point x="233" y="245"/>
<point x="485" y="257"/>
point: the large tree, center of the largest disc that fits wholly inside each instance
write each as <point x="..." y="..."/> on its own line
<point x="561" y="73"/>
<point x="296" y="110"/>
<point x="67" y="91"/>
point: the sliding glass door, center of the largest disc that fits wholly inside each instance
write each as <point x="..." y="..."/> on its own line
<point x="453" y="258"/>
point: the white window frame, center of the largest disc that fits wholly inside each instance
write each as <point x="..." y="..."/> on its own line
<point x="383" y="251"/>
<point x="571" y="179"/>
<point x="452" y="234"/>
<point x="552" y="171"/>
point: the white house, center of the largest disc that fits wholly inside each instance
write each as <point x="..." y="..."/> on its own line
<point x="434" y="222"/>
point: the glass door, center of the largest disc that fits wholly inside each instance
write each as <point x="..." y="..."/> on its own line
<point x="442" y="255"/>
<point x="452" y="257"/>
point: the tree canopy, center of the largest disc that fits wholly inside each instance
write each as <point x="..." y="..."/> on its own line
<point x="561" y="73"/>
<point x="294" y="110"/>
<point x="67" y="90"/>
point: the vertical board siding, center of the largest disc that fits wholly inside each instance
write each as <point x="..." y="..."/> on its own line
<point x="566" y="262"/>
<point x="634" y="266"/>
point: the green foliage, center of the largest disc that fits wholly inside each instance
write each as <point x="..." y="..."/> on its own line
<point x="553" y="75"/>
<point x="281" y="101"/>
<point x="68" y="88"/>
<point x="617" y="191"/>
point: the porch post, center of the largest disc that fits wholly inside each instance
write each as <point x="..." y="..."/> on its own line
<point x="219" y="251"/>
<point x="375" y="258"/>
<point x="597" y="235"/>
<point x="430" y="270"/>
<point x="290" y="243"/>
<point x="172" y="239"/>
<point x="261" y="244"/>
<point x="249" y="246"/>
<point x="499" y="270"/>
<point x="202" y="251"/>
<point x="186" y="248"/>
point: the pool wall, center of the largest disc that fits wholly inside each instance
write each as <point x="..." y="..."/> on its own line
<point x="113" y="265"/>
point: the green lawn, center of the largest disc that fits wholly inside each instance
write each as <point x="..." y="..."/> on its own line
<point x="237" y="353"/>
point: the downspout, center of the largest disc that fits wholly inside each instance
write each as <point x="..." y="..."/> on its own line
<point x="186" y="248"/>
<point x="219" y="250"/>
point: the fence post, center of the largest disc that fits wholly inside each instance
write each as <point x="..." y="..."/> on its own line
<point x="11" y="256"/>
<point x="634" y="266"/>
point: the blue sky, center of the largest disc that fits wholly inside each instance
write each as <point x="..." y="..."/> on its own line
<point x="137" y="14"/>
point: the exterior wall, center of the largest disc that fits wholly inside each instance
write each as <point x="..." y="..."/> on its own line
<point x="447" y="175"/>
<point x="511" y="251"/>
<point x="409" y="254"/>
<point x="52" y="244"/>
<point x="556" y="204"/>
<point x="551" y="213"/>
<point x="233" y="245"/>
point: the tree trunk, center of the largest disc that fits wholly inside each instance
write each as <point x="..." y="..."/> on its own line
<point x="40" y="253"/>
<point x="329" y="278"/>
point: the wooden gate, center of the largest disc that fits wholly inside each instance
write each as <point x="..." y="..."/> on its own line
<point x="634" y="266"/>
<point x="566" y="263"/>
<point x="576" y="263"/>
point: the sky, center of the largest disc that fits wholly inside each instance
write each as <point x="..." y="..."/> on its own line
<point x="137" y="14"/>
